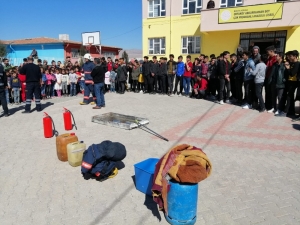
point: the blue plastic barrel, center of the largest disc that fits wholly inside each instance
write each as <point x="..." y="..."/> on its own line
<point x="182" y="203"/>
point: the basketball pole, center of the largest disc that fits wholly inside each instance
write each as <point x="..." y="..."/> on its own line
<point x="98" y="50"/>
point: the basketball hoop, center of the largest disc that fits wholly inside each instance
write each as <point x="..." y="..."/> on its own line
<point x="88" y="46"/>
<point x="89" y="39"/>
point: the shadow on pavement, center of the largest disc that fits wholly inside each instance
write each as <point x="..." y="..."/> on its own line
<point x="22" y="107"/>
<point x="118" y="199"/>
<point x="133" y="179"/>
<point x="296" y="126"/>
<point x="150" y="204"/>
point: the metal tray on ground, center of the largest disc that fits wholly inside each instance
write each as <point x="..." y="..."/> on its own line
<point x="119" y="120"/>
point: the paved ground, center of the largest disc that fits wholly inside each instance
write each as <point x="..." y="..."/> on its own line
<point x="255" y="178"/>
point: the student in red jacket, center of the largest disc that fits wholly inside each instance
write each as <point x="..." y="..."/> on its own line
<point x="22" y="79"/>
<point x="200" y="87"/>
<point x="187" y="75"/>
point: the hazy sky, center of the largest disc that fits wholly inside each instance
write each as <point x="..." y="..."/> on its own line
<point x="119" y="21"/>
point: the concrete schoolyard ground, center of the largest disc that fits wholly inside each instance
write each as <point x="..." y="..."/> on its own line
<point x="255" y="158"/>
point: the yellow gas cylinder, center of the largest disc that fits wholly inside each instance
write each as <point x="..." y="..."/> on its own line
<point x="75" y="152"/>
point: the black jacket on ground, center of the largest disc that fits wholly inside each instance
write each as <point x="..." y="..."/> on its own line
<point x="32" y="72"/>
<point x="98" y="74"/>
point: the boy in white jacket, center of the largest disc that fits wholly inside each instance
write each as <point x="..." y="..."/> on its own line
<point x="65" y="83"/>
<point x="58" y="84"/>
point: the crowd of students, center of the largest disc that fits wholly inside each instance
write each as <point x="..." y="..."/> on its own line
<point x="57" y="80"/>
<point x="228" y="78"/>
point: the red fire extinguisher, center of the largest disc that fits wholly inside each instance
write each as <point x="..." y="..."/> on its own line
<point x="49" y="132"/>
<point x="68" y="120"/>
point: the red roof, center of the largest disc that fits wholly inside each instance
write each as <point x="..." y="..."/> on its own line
<point x="44" y="40"/>
<point x="38" y="40"/>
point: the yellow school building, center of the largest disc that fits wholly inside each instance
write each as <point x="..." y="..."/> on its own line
<point x="187" y="27"/>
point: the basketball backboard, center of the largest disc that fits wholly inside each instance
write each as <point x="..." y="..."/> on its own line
<point x="91" y="38"/>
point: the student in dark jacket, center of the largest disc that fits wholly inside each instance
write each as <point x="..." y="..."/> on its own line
<point x="162" y="76"/>
<point x="3" y="87"/>
<point x="224" y="73"/>
<point x="234" y="64"/>
<point x="172" y="68"/>
<point x="213" y="81"/>
<point x="277" y="80"/>
<point x="104" y="64"/>
<point x="146" y="74"/>
<point x="15" y="85"/>
<point x="122" y="75"/>
<point x="98" y="75"/>
<point x="195" y="72"/>
<point x="154" y="70"/>
<point x="287" y="103"/>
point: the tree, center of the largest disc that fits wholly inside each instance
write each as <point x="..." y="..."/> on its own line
<point x="82" y="50"/>
<point x="2" y="50"/>
<point x="81" y="62"/>
<point x="125" y="56"/>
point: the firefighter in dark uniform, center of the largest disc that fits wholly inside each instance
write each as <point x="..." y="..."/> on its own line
<point x="87" y="68"/>
<point x="3" y="86"/>
<point x="33" y="84"/>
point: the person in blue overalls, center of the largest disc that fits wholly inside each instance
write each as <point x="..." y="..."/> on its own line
<point x="87" y="68"/>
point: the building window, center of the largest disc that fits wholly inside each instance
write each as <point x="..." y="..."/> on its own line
<point x="157" y="46"/>
<point x="191" y="6"/>
<point x="190" y="45"/>
<point x="230" y="3"/>
<point x="112" y="55"/>
<point x="75" y="53"/>
<point x="156" y="8"/>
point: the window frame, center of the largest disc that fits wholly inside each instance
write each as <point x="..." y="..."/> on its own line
<point x="237" y="3"/>
<point x="153" y="8"/>
<point x="162" y="51"/>
<point x="75" y="50"/>
<point x="187" y="7"/>
<point x="194" y="45"/>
